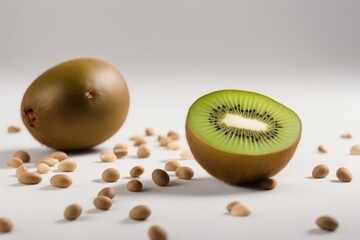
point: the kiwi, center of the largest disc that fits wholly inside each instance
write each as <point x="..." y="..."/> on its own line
<point x="241" y="137"/>
<point x="76" y="105"/>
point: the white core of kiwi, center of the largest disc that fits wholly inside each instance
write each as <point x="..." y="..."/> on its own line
<point x="232" y="120"/>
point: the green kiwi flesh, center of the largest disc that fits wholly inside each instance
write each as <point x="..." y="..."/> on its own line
<point x="240" y="136"/>
<point x="76" y="105"/>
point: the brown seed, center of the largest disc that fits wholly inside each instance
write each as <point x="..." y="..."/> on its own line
<point x="59" y="155"/>
<point x="322" y="149"/>
<point x="43" y="168"/>
<point x="24" y="156"/>
<point x="20" y="170"/>
<point x="110" y="175"/>
<point x="149" y="132"/>
<point x="320" y="171"/>
<point x="67" y="165"/>
<point x="29" y="178"/>
<point x="140" y="212"/>
<point x="134" y="185"/>
<point x="135" y="137"/>
<point x="160" y="177"/>
<point x="120" y="146"/>
<point x="14" y="162"/>
<point x="120" y="153"/>
<point x="72" y="212"/>
<point x="48" y="161"/>
<point x="355" y="150"/>
<point x="143" y="151"/>
<point x="5" y="225"/>
<point x="173" y="135"/>
<point x="163" y="140"/>
<point x="231" y="205"/>
<point x="61" y="181"/>
<point x="240" y="210"/>
<point x="107" y="157"/>
<point x="172" y="165"/>
<point x="139" y="142"/>
<point x="344" y="174"/>
<point x="327" y="223"/>
<point x="173" y="145"/>
<point x="185" y="173"/>
<point x="346" y="135"/>
<point x="268" y="184"/>
<point x="136" y="171"/>
<point x="102" y="202"/>
<point x="186" y="155"/>
<point x="13" y="129"/>
<point x="108" y="192"/>
<point x="156" y="232"/>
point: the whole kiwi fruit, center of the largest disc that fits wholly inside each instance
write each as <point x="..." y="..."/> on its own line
<point x="241" y="137"/>
<point x="76" y="105"/>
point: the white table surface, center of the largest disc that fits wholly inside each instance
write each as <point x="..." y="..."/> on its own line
<point x="327" y="105"/>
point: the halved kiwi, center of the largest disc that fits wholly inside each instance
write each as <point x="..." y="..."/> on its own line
<point x="241" y="137"/>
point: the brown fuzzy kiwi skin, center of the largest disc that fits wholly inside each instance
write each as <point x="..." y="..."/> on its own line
<point x="236" y="168"/>
<point x="76" y="105"/>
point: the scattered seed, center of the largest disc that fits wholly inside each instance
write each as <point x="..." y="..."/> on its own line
<point x="160" y="177"/>
<point x="172" y="165"/>
<point x="320" y="171"/>
<point x="24" y="156"/>
<point x="231" y="205"/>
<point x="120" y="146"/>
<point x="43" y="168"/>
<point x="140" y="212"/>
<point x="327" y="223"/>
<point x="108" y="192"/>
<point x="149" y="132"/>
<point x="61" y="181"/>
<point x="13" y="129"/>
<point x="5" y="225"/>
<point x="20" y="170"/>
<point x="29" y="178"/>
<point x="355" y="150"/>
<point x="139" y="142"/>
<point x="59" y="155"/>
<point x="164" y="141"/>
<point x="173" y="135"/>
<point x="120" y="153"/>
<point x="110" y="175"/>
<point x="322" y="149"/>
<point x="174" y="145"/>
<point x="143" y="151"/>
<point x="107" y="157"/>
<point x="135" y="137"/>
<point x="67" y="165"/>
<point x="102" y="202"/>
<point x="240" y="210"/>
<point x="134" y="185"/>
<point x="344" y="174"/>
<point x="156" y="232"/>
<point x="14" y="162"/>
<point x="185" y="173"/>
<point x="186" y="155"/>
<point x="72" y="212"/>
<point x="136" y="171"/>
<point x="268" y="184"/>
<point x="346" y="135"/>
<point x="48" y="161"/>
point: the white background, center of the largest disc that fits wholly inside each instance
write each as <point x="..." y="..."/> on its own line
<point x="304" y="54"/>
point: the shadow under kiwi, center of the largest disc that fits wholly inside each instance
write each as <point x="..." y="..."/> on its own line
<point x="196" y="187"/>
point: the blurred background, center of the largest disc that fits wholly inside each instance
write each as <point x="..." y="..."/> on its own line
<point x="302" y="53"/>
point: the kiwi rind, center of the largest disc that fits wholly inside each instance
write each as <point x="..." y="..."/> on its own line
<point x="76" y="105"/>
<point x="237" y="168"/>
